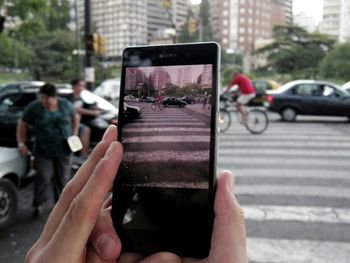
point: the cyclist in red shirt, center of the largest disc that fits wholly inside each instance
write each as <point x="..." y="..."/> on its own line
<point x="246" y="90"/>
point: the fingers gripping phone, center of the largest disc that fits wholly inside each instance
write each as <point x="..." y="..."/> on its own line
<point x="164" y="193"/>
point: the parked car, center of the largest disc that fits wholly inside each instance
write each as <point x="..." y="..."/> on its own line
<point x="148" y="99"/>
<point x="109" y="89"/>
<point x="174" y="102"/>
<point x="130" y="98"/>
<point x="13" y="172"/>
<point x="14" y="100"/>
<point x="346" y="86"/>
<point x="189" y="99"/>
<point x="309" y="97"/>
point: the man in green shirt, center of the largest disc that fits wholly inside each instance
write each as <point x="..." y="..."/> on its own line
<point x="53" y="120"/>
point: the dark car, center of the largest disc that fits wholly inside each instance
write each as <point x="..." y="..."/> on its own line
<point x="148" y="99"/>
<point x="189" y="99"/>
<point x="309" y="97"/>
<point x="14" y="100"/>
<point x="174" y="102"/>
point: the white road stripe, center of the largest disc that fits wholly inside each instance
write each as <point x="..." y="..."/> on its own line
<point x="297" y="213"/>
<point x="294" y="190"/>
<point x="302" y="135"/>
<point x="165" y="121"/>
<point x="172" y="124"/>
<point x="157" y="139"/>
<point x="297" y="251"/>
<point x="169" y="119"/>
<point x="285" y="152"/>
<point x="171" y="129"/>
<point x="294" y="173"/>
<point x="166" y="156"/>
<point x="283" y="144"/>
<point x="301" y="161"/>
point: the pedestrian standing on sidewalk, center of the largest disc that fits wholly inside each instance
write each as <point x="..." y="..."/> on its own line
<point x="53" y="120"/>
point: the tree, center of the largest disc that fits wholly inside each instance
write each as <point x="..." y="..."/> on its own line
<point x="336" y="64"/>
<point x="185" y="36"/>
<point x="53" y="55"/>
<point x="296" y="51"/>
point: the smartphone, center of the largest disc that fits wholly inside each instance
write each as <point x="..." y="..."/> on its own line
<point x="163" y="195"/>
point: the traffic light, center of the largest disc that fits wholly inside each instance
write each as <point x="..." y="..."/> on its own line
<point x="166" y="4"/>
<point x="95" y="43"/>
<point x="192" y="25"/>
<point x="102" y="49"/>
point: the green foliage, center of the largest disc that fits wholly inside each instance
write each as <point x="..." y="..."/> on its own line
<point x="14" y="53"/>
<point x="337" y="63"/>
<point x="296" y="51"/>
<point x="53" y="55"/>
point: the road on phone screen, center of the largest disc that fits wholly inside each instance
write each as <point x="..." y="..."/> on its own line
<point x="168" y="148"/>
<point x="293" y="183"/>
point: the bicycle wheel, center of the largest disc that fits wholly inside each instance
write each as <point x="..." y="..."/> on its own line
<point x="257" y="121"/>
<point x="161" y="106"/>
<point x="224" y="120"/>
<point x="153" y="106"/>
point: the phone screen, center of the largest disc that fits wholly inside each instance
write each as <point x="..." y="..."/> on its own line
<point x="163" y="194"/>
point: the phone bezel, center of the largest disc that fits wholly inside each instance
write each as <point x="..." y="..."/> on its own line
<point x="171" y="55"/>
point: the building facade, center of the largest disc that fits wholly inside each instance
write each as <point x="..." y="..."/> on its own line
<point x="336" y="19"/>
<point x="241" y="23"/>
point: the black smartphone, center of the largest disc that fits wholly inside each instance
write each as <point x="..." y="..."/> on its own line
<point x="163" y="195"/>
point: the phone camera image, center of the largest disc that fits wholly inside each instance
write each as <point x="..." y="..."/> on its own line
<point x="162" y="197"/>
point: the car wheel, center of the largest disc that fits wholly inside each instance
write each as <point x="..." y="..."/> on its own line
<point x="288" y="114"/>
<point x="8" y="201"/>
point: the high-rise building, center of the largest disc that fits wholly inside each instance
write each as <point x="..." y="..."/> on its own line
<point x="159" y="20"/>
<point x="306" y="21"/>
<point x="336" y="19"/>
<point x="243" y="22"/>
<point x="121" y="22"/>
<point x="138" y="22"/>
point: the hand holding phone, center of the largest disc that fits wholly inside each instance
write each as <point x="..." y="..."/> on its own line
<point x="83" y="212"/>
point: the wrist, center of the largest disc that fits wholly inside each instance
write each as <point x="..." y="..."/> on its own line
<point x="21" y="144"/>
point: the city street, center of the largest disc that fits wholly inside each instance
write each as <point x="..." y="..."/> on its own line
<point x="293" y="183"/>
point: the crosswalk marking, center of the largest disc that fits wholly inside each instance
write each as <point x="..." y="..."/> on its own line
<point x="165" y="156"/>
<point x="176" y="129"/>
<point x="297" y="213"/>
<point x="297" y="251"/>
<point x="302" y="161"/>
<point x="291" y="190"/>
<point x="172" y="124"/>
<point x="170" y="138"/>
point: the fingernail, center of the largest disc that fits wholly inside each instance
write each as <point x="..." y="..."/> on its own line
<point x="107" y="133"/>
<point x="106" y="245"/>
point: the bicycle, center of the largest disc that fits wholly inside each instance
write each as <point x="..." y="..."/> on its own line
<point x="158" y="104"/>
<point x="256" y="121"/>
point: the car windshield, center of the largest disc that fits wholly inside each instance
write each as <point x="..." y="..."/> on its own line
<point x="90" y="98"/>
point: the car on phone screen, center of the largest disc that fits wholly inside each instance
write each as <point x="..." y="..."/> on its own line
<point x="189" y="99"/>
<point x="171" y="101"/>
<point x="309" y="97"/>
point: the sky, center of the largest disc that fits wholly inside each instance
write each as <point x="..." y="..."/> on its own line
<point x="311" y="7"/>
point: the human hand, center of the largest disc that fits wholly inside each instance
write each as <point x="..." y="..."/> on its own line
<point x="80" y="227"/>
<point x="23" y="150"/>
<point x="65" y="237"/>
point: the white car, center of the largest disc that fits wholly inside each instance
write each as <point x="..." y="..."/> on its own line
<point x="109" y="89"/>
<point x="346" y="86"/>
<point x="13" y="170"/>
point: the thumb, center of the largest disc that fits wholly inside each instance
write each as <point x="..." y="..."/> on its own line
<point x="104" y="239"/>
<point x="229" y="234"/>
